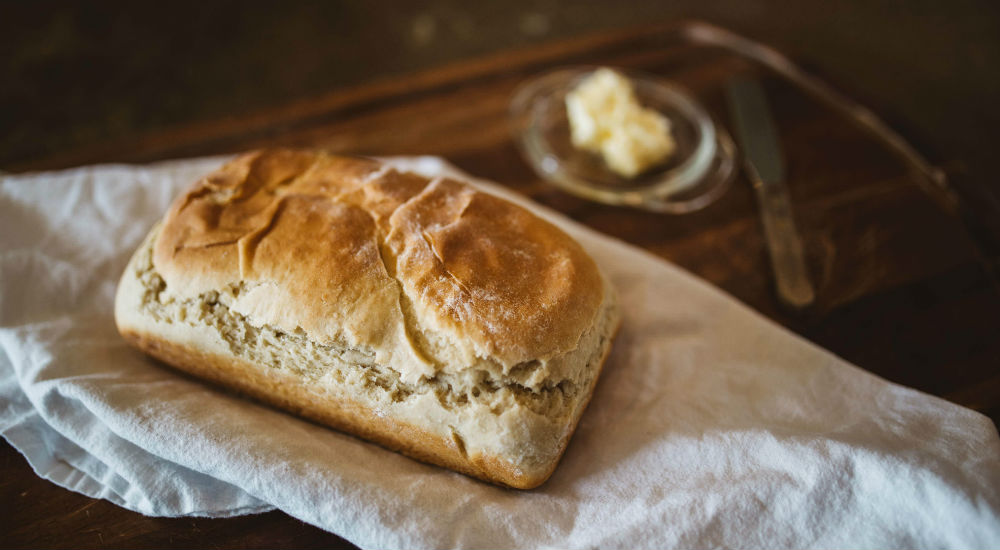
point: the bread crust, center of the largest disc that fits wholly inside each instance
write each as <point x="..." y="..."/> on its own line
<point x="508" y="426"/>
<point x="289" y="394"/>
<point x="434" y="272"/>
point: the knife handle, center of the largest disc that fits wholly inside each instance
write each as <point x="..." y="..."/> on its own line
<point x="787" y="259"/>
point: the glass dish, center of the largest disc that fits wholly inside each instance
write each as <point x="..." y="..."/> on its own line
<point x="698" y="172"/>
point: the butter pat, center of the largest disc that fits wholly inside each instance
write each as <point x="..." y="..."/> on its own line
<point x="606" y="118"/>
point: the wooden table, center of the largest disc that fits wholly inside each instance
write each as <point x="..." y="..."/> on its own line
<point x="902" y="270"/>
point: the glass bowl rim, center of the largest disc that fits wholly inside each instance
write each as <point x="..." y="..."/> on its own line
<point x="713" y="144"/>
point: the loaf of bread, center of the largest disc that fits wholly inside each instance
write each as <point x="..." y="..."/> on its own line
<point x="434" y="319"/>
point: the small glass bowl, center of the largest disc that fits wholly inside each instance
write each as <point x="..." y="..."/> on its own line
<point x="698" y="172"/>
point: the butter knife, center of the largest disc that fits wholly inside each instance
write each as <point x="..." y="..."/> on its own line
<point x="765" y="166"/>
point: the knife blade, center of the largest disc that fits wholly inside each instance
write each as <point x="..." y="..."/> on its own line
<point x="765" y="165"/>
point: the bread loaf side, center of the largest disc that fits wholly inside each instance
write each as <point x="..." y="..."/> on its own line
<point x="420" y="314"/>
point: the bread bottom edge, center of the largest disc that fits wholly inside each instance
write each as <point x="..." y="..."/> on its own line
<point x="287" y="393"/>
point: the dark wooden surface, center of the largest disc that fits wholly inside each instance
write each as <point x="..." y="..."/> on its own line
<point x="904" y="288"/>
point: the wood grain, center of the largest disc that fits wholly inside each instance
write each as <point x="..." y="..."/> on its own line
<point x="903" y="288"/>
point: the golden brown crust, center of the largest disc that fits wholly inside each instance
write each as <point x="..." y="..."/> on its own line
<point x="328" y="244"/>
<point x="420" y="314"/>
<point x="494" y="273"/>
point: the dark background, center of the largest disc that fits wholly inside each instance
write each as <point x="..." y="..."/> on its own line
<point x="76" y="74"/>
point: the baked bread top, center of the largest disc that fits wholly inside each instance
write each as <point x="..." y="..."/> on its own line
<point x="428" y="276"/>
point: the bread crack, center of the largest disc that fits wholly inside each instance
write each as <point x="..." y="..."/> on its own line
<point x="246" y="245"/>
<point x="416" y="337"/>
<point x="444" y="266"/>
<point x="270" y="347"/>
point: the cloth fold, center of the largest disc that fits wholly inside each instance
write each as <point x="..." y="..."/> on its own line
<point x="711" y="426"/>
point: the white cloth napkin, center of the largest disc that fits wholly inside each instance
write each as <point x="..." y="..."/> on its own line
<point x="711" y="426"/>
